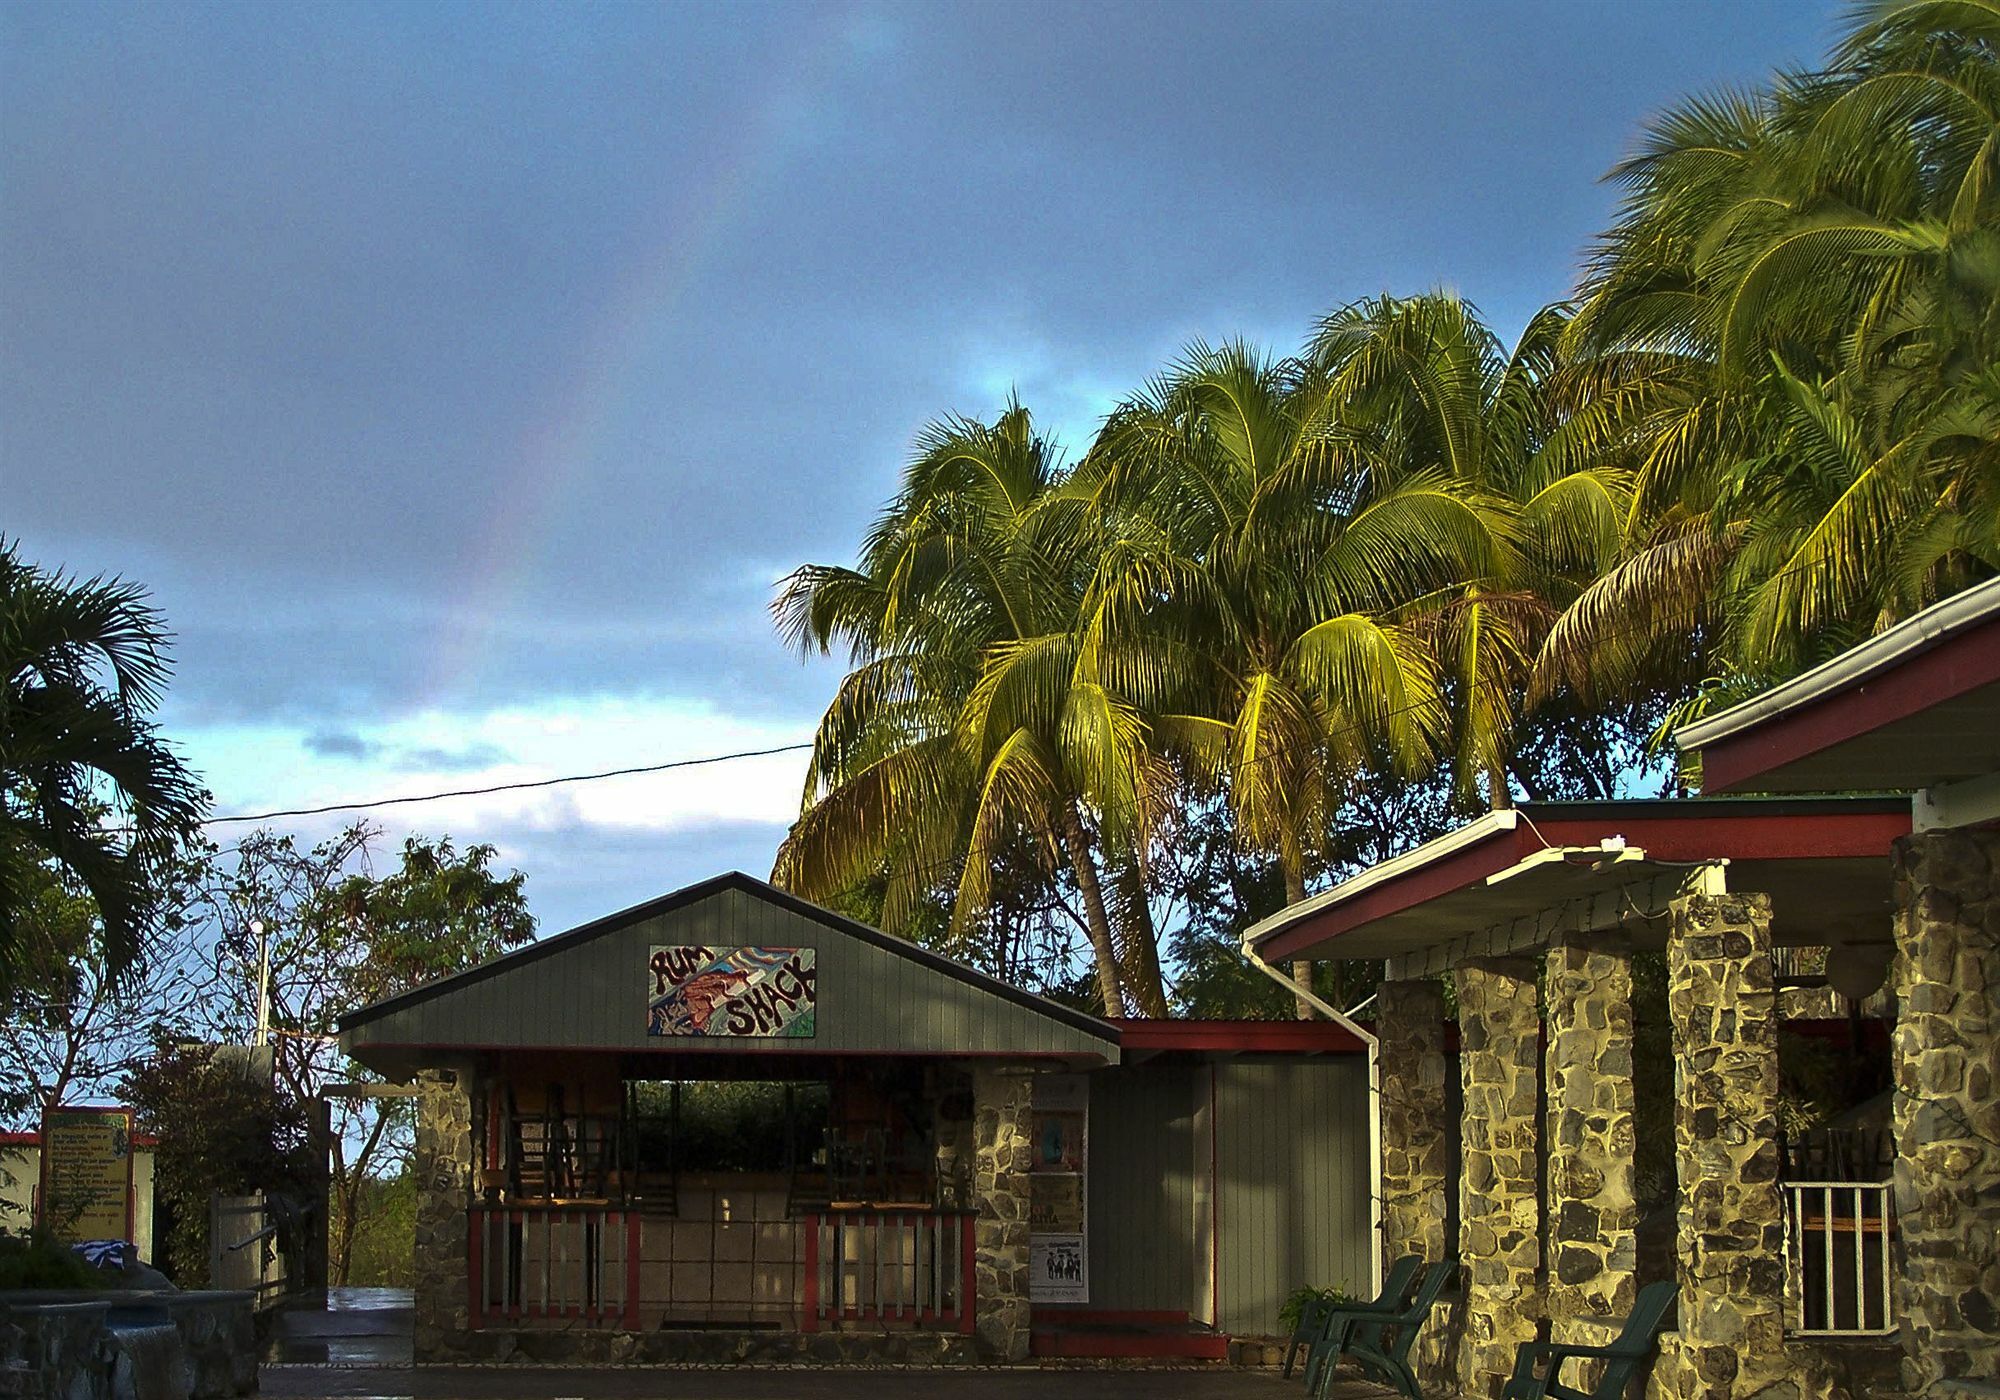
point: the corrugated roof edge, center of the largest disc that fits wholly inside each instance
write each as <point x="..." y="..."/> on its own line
<point x="758" y="889"/>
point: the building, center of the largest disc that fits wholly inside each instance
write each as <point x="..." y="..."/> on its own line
<point x="1835" y="1261"/>
<point x="729" y="1124"/>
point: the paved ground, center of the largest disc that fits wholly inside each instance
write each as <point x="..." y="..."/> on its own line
<point x="295" y="1382"/>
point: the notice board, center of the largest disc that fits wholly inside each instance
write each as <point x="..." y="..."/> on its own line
<point x="86" y="1186"/>
<point x="1058" y="1219"/>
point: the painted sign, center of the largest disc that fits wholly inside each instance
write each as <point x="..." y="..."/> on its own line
<point x="86" y="1187"/>
<point x="1058" y="1223"/>
<point x="741" y="992"/>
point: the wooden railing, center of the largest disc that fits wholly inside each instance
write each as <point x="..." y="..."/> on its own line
<point x="1838" y="1257"/>
<point x="555" y="1263"/>
<point x="889" y="1266"/>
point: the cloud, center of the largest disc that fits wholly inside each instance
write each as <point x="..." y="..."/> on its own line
<point x="338" y="743"/>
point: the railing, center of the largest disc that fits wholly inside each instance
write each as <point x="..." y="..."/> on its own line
<point x="1838" y="1258"/>
<point x="554" y="1263"/>
<point x="887" y="1266"/>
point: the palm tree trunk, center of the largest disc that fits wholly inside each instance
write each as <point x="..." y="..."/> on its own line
<point x="1302" y="969"/>
<point x="1095" y="919"/>
<point x="1139" y="965"/>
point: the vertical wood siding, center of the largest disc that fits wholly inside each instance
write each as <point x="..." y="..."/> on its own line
<point x="1143" y="1188"/>
<point x="1292" y="1163"/>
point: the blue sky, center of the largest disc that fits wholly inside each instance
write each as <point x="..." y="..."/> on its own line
<point x="461" y="377"/>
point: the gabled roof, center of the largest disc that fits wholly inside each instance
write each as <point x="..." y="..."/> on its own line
<point x="587" y="989"/>
<point x="1916" y="706"/>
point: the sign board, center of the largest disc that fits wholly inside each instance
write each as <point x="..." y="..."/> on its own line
<point x="1058" y="1218"/>
<point x="86" y="1186"/>
<point x="751" y="993"/>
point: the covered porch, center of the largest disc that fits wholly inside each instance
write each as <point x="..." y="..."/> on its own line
<point x="1532" y="1147"/>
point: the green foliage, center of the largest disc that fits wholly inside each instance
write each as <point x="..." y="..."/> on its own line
<point x="384" y="1231"/>
<point x="728" y="1125"/>
<point x="1296" y="1303"/>
<point x="35" y="1261"/>
<point x="83" y="663"/>
<point x="219" y="1129"/>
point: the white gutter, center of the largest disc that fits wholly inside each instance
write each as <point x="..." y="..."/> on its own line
<point x="1852" y="667"/>
<point x="1471" y="834"/>
<point x="1366" y="1037"/>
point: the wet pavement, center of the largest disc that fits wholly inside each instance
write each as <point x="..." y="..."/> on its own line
<point x="785" y="1383"/>
<point x="357" y="1327"/>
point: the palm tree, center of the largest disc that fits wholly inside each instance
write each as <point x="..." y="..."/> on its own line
<point x="82" y="665"/>
<point x="1253" y="592"/>
<point x="969" y="721"/>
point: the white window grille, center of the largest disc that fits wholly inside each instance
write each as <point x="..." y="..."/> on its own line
<point x="1837" y="1257"/>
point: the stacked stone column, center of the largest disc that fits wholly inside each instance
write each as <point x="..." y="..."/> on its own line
<point x="443" y="1168"/>
<point x="1947" y="1066"/>
<point x="1722" y="995"/>
<point x="1416" y="1128"/>
<point x="1593" y="1212"/>
<point x="1499" y="1183"/>
<point x="1003" y="1144"/>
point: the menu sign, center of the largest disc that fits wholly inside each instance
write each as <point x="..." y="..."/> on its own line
<point x="87" y="1173"/>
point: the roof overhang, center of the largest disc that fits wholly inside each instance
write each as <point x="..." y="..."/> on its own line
<point x="1514" y="879"/>
<point x="1916" y="707"/>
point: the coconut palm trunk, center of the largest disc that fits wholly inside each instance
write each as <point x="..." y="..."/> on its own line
<point x="1096" y="921"/>
<point x="1139" y="963"/>
<point x="1302" y="968"/>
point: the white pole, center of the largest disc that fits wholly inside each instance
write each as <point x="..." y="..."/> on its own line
<point x="263" y="981"/>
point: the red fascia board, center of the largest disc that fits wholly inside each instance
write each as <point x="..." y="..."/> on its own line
<point x="1743" y="836"/>
<point x="1238" y="1037"/>
<point x="1950" y="669"/>
<point x="1467" y="866"/>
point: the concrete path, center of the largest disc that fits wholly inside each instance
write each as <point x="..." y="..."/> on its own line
<point x="296" y="1382"/>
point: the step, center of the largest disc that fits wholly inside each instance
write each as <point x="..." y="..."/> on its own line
<point x="1047" y="1316"/>
<point x="1125" y="1334"/>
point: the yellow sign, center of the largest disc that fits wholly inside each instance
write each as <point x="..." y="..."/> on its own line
<point x="87" y="1173"/>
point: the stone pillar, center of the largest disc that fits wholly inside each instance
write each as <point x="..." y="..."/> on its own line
<point x="1003" y="1139"/>
<point x="1947" y="1065"/>
<point x="1416" y="1133"/>
<point x="1499" y="1204"/>
<point x="1722" y="994"/>
<point x="443" y="1168"/>
<point x="1593" y="1215"/>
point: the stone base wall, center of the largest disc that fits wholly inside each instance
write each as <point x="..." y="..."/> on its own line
<point x="1947" y="1068"/>
<point x="1003" y="1147"/>
<point x="443" y="1168"/>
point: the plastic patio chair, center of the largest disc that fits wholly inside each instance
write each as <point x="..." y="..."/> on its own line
<point x="1379" y="1343"/>
<point x="1311" y="1328"/>
<point x="1634" y="1344"/>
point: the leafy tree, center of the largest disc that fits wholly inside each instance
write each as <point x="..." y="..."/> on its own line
<point x="82" y="666"/>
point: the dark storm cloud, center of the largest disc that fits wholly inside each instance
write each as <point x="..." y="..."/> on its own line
<point x="336" y="743"/>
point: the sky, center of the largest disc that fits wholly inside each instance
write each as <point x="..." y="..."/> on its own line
<point x="459" y="379"/>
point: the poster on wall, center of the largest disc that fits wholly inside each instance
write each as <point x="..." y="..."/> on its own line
<point x="1058" y="1220"/>
<point x="86" y="1186"/>
<point x="740" y="992"/>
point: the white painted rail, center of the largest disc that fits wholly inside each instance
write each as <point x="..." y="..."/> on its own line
<point x="1838" y="1234"/>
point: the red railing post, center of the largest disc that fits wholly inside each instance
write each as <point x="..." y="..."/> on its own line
<point x="634" y="1241"/>
<point x="968" y="1271"/>
<point x="809" y="1301"/>
<point x="475" y="1276"/>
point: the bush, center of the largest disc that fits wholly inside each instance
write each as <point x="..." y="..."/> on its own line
<point x="33" y="1261"/>
<point x="1295" y="1306"/>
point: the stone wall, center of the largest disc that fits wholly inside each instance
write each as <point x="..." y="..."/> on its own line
<point x="443" y="1169"/>
<point x="1593" y="1213"/>
<point x="1722" y="995"/>
<point x="1947" y="1068"/>
<point x="1499" y="1182"/>
<point x="1416" y="1151"/>
<point x="1003" y="1141"/>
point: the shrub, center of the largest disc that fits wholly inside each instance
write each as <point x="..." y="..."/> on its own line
<point x="1295" y="1306"/>
<point x="34" y="1261"/>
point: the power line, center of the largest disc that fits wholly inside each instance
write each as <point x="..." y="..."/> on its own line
<point x="523" y="786"/>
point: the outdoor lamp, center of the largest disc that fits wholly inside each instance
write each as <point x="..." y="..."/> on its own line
<point x="1858" y="970"/>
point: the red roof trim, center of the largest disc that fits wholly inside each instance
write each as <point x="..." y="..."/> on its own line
<point x="1670" y="831"/>
<point x="1951" y="668"/>
<point x="1238" y="1037"/>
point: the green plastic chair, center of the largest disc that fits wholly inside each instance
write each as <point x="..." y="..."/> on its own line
<point x="1621" y="1359"/>
<point x="1311" y="1329"/>
<point x="1379" y="1343"/>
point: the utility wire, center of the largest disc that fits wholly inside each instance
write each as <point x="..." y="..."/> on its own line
<point x="506" y="787"/>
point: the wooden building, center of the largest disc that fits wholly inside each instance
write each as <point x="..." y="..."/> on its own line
<point x="729" y="1124"/>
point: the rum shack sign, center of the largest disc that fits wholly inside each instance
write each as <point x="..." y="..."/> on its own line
<point x="738" y="992"/>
